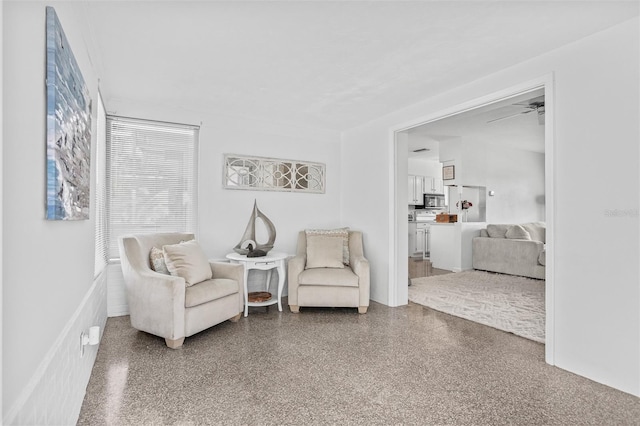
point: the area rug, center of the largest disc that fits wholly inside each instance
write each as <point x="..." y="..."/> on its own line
<point x="506" y="302"/>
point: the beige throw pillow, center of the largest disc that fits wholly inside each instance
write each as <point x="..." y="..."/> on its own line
<point x="341" y="233"/>
<point x="536" y="230"/>
<point x="324" y="252"/>
<point x="187" y="260"/>
<point x="517" y="232"/>
<point x="497" y="231"/>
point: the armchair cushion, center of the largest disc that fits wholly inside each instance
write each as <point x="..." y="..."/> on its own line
<point x="324" y="252"/>
<point x="187" y="260"/>
<point x="329" y="277"/>
<point x="209" y="290"/>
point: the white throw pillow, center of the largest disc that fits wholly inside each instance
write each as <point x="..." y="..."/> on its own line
<point x="324" y="252"/>
<point x="187" y="260"/>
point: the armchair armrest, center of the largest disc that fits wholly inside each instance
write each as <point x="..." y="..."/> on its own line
<point x="295" y="267"/>
<point x="361" y="268"/>
<point x="230" y="271"/>
<point x="156" y="303"/>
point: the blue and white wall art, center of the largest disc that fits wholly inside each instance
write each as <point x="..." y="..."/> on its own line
<point x="68" y="129"/>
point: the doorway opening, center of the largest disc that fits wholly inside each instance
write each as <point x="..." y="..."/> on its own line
<point x="495" y="108"/>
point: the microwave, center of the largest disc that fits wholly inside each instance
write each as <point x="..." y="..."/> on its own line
<point x="434" y="201"/>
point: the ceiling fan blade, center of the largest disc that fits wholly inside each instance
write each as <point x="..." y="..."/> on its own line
<point x="510" y="116"/>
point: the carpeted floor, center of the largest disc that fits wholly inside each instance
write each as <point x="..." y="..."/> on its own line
<point x="506" y="302"/>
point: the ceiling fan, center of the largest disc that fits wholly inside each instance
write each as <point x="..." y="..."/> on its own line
<point x="535" y="104"/>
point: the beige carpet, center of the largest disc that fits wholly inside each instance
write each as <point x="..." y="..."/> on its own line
<point x="506" y="302"/>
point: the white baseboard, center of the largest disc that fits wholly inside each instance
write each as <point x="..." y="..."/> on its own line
<point x="55" y="393"/>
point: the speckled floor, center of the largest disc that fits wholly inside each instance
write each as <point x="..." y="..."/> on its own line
<point x="408" y="365"/>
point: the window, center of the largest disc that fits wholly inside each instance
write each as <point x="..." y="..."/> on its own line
<point x="151" y="178"/>
<point x="100" y="230"/>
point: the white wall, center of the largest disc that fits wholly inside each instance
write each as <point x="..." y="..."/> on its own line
<point x="1" y="190"/>
<point x="48" y="265"/>
<point x="224" y="213"/>
<point x="596" y="292"/>
<point x="517" y="177"/>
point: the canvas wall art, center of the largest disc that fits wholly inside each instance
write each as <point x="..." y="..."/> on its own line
<point x="68" y="129"/>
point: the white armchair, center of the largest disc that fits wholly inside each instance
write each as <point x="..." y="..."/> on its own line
<point x="167" y="305"/>
<point x="339" y="285"/>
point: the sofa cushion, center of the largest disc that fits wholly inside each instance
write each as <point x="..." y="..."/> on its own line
<point x="324" y="252"/>
<point x="497" y="231"/>
<point x="537" y="231"/>
<point x="517" y="232"/>
<point x="209" y="290"/>
<point x="484" y="233"/>
<point x="329" y="276"/>
<point x="341" y="233"/>
<point x="542" y="258"/>
<point x="156" y="259"/>
<point x="187" y="260"/>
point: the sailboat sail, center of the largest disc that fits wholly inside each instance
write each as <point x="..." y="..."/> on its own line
<point x="249" y="236"/>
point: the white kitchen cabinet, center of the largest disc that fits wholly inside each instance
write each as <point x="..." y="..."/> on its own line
<point x="422" y="238"/>
<point x="433" y="185"/>
<point x="418" y="239"/>
<point x="416" y="190"/>
<point x="438" y="186"/>
<point x="413" y="247"/>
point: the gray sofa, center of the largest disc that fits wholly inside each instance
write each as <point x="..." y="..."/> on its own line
<point x="511" y="249"/>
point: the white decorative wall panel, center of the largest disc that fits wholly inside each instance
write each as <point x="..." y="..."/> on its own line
<point x="272" y="174"/>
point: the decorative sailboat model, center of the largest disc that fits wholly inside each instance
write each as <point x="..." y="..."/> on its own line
<point x="248" y="244"/>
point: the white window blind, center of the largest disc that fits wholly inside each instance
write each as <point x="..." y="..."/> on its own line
<point x="151" y="178"/>
<point x="100" y="201"/>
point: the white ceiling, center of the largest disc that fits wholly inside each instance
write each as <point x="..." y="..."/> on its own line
<point x="514" y="125"/>
<point x="330" y="65"/>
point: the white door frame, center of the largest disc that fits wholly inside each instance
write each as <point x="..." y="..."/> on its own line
<point x="398" y="275"/>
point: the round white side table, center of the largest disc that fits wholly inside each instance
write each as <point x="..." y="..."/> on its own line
<point x="273" y="260"/>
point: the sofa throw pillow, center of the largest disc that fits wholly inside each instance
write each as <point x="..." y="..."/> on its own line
<point x="156" y="258"/>
<point x="324" y="252"/>
<point x="497" y="231"/>
<point x="537" y="230"/>
<point x="517" y="232"/>
<point x="339" y="233"/>
<point x="187" y="260"/>
<point x="542" y="258"/>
